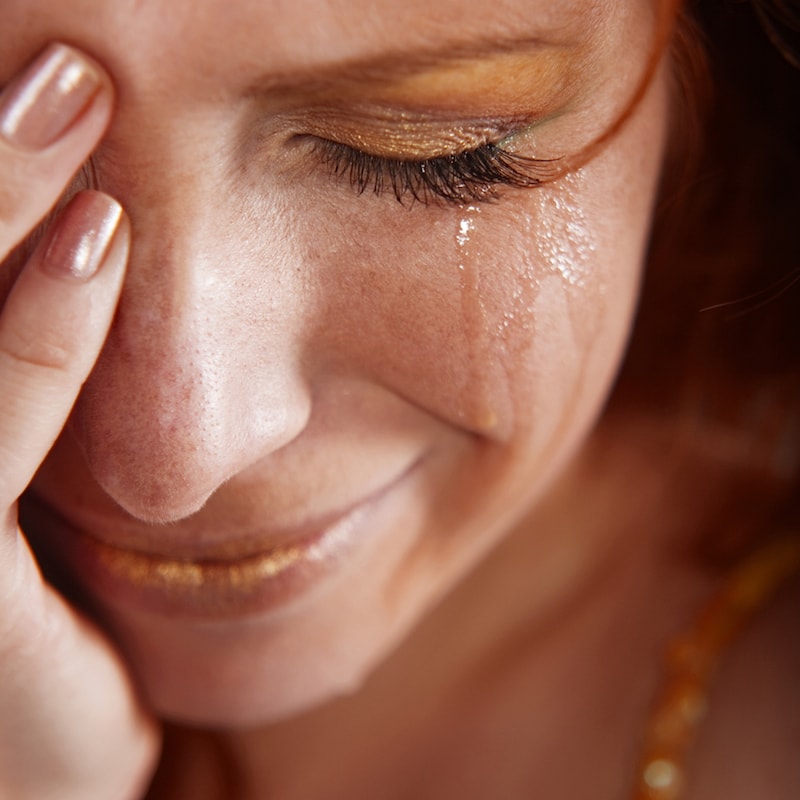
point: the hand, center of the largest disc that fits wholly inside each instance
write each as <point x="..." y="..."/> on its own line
<point x="70" y="724"/>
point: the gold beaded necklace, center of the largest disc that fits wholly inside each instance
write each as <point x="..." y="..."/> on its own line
<point x="692" y="659"/>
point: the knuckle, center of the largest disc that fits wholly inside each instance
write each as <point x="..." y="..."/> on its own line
<point x="37" y="335"/>
<point x="22" y="353"/>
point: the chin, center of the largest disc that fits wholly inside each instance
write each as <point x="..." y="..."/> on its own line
<point x="240" y="660"/>
<point x="240" y="673"/>
<point x="239" y="679"/>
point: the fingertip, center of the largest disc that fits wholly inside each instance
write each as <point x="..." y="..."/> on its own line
<point x="80" y="240"/>
<point x="51" y="96"/>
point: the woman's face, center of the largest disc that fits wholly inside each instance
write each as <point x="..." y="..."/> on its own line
<point x="317" y="407"/>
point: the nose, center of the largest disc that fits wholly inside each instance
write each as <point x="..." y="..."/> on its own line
<point x="200" y="376"/>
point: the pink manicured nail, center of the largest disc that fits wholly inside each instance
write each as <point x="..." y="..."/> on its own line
<point x="81" y="236"/>
<point x="47" y="98"/>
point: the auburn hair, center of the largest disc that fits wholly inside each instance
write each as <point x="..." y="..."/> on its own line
<point x="715" y="351"/>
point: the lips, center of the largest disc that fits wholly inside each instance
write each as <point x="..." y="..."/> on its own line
<point x="244" y="576"/>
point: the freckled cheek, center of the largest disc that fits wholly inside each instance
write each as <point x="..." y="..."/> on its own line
<point x="481" y="315"/>
<point x="544" y="330"/>
<point x="392" y="307"/>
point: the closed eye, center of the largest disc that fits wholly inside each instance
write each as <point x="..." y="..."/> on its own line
<point x="467" y="177"/>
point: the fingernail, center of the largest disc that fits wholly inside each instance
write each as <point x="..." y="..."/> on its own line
<point x="47" y="98"/>
<point x="81" y="237"/>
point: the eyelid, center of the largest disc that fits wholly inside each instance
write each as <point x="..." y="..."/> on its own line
<point x="389" y="133"/>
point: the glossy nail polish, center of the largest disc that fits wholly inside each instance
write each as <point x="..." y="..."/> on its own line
<point x="81" y="236"/>
<point x="50" y="95"/>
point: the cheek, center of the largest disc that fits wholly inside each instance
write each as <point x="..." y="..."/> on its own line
<point x="505" y="319"/>
<point x="583" y="272"/>
<point x="493" y="317"/>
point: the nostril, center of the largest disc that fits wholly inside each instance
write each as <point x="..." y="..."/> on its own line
<point x="161" y="448"/>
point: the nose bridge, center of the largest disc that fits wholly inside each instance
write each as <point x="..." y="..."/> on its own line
<point x="199" y="377"/>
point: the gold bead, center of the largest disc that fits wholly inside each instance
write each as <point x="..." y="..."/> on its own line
<point x="662" y="779"/>
<point x="691" y="660"/>
<point x="681" y="708"/>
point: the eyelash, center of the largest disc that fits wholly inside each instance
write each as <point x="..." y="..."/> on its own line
<point x="468" y="177"/>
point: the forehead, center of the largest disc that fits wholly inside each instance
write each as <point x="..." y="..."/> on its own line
<point x="198" y="40"/>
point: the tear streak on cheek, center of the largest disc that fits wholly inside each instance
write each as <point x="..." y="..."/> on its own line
<point x="564" y="247"/>
<point x="563" y="236"/>
<point x="486" y="387"/>
<point x="555" y="363"/>
<point x="523" y="278"/>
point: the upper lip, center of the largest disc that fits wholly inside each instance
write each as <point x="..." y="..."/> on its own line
<point x="203" y="542"/>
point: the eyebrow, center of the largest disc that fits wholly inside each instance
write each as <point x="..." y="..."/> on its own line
<point x="400" y="64"/>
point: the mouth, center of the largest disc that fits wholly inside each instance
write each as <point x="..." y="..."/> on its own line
<point x="249" y="583"/>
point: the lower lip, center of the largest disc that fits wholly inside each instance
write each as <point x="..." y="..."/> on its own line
<point x="208" y="590"/>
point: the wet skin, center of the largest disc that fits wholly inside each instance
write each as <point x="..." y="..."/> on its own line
<point x="287" y="350"/>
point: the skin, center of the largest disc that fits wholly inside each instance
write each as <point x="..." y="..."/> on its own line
<point x="276" y="353"/>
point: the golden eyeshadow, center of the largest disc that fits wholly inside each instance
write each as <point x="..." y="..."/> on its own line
<point x="393" y="134"/>
<point x="444" y="111"/>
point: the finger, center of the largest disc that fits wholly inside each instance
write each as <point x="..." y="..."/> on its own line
<point x="51" y="117"/>
<point x="52" y="327"/>
<point x="71" y="727"/>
